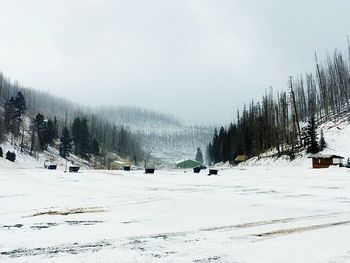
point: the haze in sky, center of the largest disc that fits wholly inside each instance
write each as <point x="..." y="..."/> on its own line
<point x="200" y="60"/>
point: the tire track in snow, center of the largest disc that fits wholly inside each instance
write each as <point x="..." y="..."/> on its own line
<point x="288" y="231"/>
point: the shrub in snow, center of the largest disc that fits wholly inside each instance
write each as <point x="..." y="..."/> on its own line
<point x="1" y="153"/>
<point x="11" y="156"/>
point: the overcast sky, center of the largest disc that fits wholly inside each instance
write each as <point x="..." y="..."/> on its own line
<point x="200" y="60"/>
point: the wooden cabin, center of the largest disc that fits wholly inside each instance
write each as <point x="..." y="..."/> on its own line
<point x="239" y="159"/>
<point x="325" y="160"/>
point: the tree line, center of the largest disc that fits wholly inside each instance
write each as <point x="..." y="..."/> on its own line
<point x="82" y="135"/>
<point x="286" y="121"/>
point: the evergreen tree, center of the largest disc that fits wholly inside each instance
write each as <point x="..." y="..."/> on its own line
<point x="222" y="141"/>
<point x="310" y="137"/>
<point x="66" y="143"/>
<point x="20" y="106"/>
<point x="55" y="127"/>
<point x="76" y="135"/>
<point x="49" y="133"/>
<point x="123" y="142"/>
<point x="227" y="146"/>
<point x="81" y="137"/>
<point x="40" y="128"/>
<point x="95" y="148"/>
<point x="9" y="107"/>
<point x="2" y="129"/>
<point x="215" y="148"/>
<point x="1" y="152"/>
<point x="84" y="138"/>
<point x="199" y="155"/>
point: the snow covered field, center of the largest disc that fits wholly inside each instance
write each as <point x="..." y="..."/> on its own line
<point x="256" y="214"/>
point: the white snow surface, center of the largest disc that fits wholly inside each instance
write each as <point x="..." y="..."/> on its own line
<point x="258" y="214"/>
<point x="266" y="210"/>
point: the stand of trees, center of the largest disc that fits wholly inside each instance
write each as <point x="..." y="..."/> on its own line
<point x="84" y="135"/>
<point x="274" y="122"/>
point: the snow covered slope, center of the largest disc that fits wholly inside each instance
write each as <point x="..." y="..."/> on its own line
<point x="336" y="134"/>
<point x="25" y="161"/>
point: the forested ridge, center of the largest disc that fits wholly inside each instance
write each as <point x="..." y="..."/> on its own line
<point x="60" y="123"/>
<point x="285" y="121"/>
<point x="126" y="130"/>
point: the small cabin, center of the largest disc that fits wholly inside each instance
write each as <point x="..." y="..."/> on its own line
<point x="239" y="159"/>
<point x="325" y="160"/>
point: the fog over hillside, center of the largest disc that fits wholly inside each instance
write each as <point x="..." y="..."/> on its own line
<point x="162" y="135"/>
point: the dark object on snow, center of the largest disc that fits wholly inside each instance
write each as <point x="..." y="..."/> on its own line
<point x="213" y="172"/>
<point x="52" y="167"/>
<point x="126" y="168"/>
<point x="74" y="169"/>
<point x="197" y="170"/>
<point x="11" y="156"/>
<point x="149" y="170"/>
<point x="1" y="153"/>
<point x="325" y="160"/>
<point x="348" y="163"/>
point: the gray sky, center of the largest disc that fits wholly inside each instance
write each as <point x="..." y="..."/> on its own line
<point x="200" y="60"/>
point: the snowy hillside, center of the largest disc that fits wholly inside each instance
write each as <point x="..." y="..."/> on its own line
<point x="25" y="161"/>
<point x="336" y="134"/>
<point x="163" y="136"/>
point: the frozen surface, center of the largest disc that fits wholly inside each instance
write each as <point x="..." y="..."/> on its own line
<point x="254" y="214"/>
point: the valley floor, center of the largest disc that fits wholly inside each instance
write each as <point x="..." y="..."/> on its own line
<point x="255" y="214"/>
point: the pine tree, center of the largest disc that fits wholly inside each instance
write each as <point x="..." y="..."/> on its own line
<point x="55" y="127"/>
<point x="2" y="129"/>
<point x="66" y="143"/>
<point x="199" y="155"/>
<point x="20" y="106"/>
<point x="9" y="107"/>
<point x="310" y="137"/>
<point x="81" y="137"/>
<point x="95" y="148"/>
<point x="76" y="135"/>
<point x="215" y="148"/>
<point x="84" y="138"/>
<point x="39" y="122"/>
<point x="49" y="132"/>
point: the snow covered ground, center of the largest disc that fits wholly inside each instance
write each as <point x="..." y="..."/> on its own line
<point x="254" y="214"/>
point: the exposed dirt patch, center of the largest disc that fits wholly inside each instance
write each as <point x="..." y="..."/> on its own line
<point x="84" y="222"/>
<point x="69" y="249"/>
<point x="43" y="225"/>
<point x="13" y="226"/>
<point x="80" y="210"/>
<point x="209" y="259"/>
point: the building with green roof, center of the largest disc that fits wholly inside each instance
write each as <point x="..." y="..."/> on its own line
<point x="188" y="164"/>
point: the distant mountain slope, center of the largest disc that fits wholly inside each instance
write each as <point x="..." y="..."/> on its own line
<point x="161" y="135"/>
